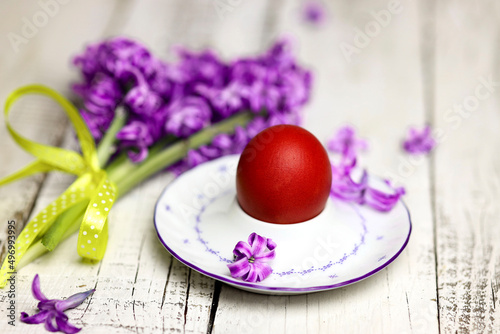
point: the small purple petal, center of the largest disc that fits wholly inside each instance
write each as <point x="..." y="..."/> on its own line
<point x="73" y="301"/>
<point x="265" y="256"/>
<point x="35" y="289"/>
<point x="345" y="188"/>
<point x="258" y="244"/>
<point x="419" y="141"/>
<point x="253" y="273"/>
<point x="382" y="201"/>
<point x="346" y="142"/>
<point x="242" y="249"/>
<point x="37" y="318"/>
<point x="239" y="268"/>
<point x="271" y="245"/>
<point x="50" y="322"/>
<point x="64" y="325"/>
<point x="263" y="270"/>
<point x="314" y="12"/>
<point x="47" y="304"/>
<point x="139" y="154"/>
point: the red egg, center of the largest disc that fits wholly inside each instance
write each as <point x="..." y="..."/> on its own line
<point x="284" y="176"/>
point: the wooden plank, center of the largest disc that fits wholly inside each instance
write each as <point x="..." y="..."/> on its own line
<point x="467" y="166"/>
<point x="379" y="91"/>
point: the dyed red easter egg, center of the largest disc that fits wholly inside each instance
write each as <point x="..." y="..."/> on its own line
<point x="284" y="176"/>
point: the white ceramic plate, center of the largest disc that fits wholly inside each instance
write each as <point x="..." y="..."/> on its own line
<point x="199" y="222"/>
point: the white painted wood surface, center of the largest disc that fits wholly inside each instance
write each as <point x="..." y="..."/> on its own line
<point x="427" y="58"/>
<point x="467" y="174"/>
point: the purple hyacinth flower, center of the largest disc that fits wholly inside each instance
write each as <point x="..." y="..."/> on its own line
<point x="247" y="71"/>
<point x="142" y="100"/>
<point x="119" y="55"/>
<point x="346" y="142"/>
<point x="182" y="98"/>
<point x="96" y="124"/>
<point x="167" y="80"/>
<point x="251" y="259"/>
<point x="136" y="137"/>
<point x="195" y="158"/>
<point x="52" y="310"/>
<point x="225" y="101"/>
<point x="419" y="141"/>
<point x="187" y="115"/>
<point x="103" y="95"/>
<point x="203" y="67"/>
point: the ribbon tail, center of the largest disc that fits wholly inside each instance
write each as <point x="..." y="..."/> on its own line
<point x="33" y="168"/>
<point x="93" y="235"/>
<point x="76" y="193"/>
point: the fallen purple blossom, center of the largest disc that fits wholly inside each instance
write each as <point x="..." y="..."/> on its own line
<point x="348" y="188"/>
<point x="51" y="311"/>
<point x="419" y="141"/>
<point x="251" y="259"/>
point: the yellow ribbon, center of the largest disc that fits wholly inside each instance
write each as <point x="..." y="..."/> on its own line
<point x="92" y="185"/>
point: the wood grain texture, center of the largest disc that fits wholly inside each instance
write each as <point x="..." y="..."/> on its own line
<point x="379" y="91"/>
<point x="467" y="165"/>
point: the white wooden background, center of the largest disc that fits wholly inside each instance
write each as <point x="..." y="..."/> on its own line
<point x="424" y="66"/>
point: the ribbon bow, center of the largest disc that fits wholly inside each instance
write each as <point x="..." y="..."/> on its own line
<point x="92" y="185"/>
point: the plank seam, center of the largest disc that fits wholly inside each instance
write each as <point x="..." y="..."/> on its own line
<point x="187" y="298"/>
<point x="215" y="306"/>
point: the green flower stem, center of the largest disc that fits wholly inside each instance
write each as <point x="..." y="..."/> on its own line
<point x="106" y="146"/>
<point x="55" y="233"/>
<point x="38" y="248"/>
<point x="34" y="252"/>
<point x="178" y="150"/>
<point x="121" y="167"/>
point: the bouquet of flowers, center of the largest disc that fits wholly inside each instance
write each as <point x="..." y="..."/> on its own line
<point x="146" y="115"/>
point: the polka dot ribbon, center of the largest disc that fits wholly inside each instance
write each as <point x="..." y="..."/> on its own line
<point x="92" y="185"/>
